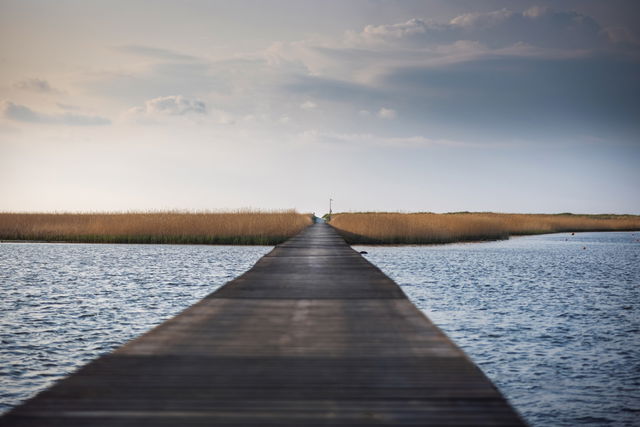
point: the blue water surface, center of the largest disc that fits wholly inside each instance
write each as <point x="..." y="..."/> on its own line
<point x="62" y="305"/>
<point x="553" y="320"/>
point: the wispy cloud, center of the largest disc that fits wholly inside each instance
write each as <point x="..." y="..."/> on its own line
<point x="387" y="113"/>
<point x="496" y="72"/>
<point x="34" y="85"/>
<point x="367" y="139"/>
<point x="70" y="107"/>
<point x="490" y="70"/>
<point x="537" y="26"/>
<point x="137" y="85"/>
<point x="308" y="105"/>
<point x="21" y="113"/>
<point x="156" y="53"/>
<point x="362" y="55"/>
<point x="175" y="105"/>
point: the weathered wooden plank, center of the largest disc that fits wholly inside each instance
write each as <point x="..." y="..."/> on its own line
<point x="312" y="335"/>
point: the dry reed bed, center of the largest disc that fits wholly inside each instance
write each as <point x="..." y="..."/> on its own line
<point x="430" y="228"/>
<point x="238" y="228"/>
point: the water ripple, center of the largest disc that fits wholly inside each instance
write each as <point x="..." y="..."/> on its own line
<point x="555" y="326"/>
<point x="65" y="304"/>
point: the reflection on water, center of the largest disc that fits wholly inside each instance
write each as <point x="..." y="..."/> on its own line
<point x="62" y="305"/>
<point x="553" y="320"/>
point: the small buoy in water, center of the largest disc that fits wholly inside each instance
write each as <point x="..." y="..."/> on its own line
<point x="573" y="234"/>
<point x="364" y="252"/>
<point x="584" y="247"/>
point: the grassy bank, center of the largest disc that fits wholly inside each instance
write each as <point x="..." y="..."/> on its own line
<point x="236" y="228"/>
<point x="427" y="228"/>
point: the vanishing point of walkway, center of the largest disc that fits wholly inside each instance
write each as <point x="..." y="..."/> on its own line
<point x="313" y="334"/>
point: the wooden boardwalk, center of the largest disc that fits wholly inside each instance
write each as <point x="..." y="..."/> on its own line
<point x="313" y="334"/>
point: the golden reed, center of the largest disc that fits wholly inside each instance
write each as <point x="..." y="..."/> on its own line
<point x="426" y="228"/>
<point x="239" y="228"/>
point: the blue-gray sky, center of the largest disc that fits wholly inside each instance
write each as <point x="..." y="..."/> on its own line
<point x="510" y="106"/>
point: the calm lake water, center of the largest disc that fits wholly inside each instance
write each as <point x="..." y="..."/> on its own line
<point x="62" y="305"/>
<point x="553" y="320"/>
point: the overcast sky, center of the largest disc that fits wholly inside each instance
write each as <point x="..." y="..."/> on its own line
<point x="509" y="106"/>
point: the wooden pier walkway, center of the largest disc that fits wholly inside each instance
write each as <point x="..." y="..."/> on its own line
<point x="312" y="335"/>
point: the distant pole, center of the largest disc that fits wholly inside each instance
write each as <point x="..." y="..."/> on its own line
<point x="330" y="201"/>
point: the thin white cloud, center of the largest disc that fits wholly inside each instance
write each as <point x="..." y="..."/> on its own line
<point x="391" y="32"/>
<point x="366" y="139"/>
<point x="156" y="53"/>
<point x="537" y="26"/>
<point x="387" y="113"/>
<point x="308" y="105"/>
<point x="67" y="106"/>
<point x="21" y="113"/>
<point x="175" y="105"/>
<point x="34" y="85"/>
<point x="138" y="83"/>
<point x="225" y="118"/>
<point x="362" y="56"/>
<point x="617" y="34"/>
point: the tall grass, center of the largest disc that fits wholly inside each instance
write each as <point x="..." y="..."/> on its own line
<point x="238" y="228"/>
<point x="427" y="228"/>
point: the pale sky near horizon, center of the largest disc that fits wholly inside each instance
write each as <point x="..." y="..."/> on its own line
<point x="496" y="105"/>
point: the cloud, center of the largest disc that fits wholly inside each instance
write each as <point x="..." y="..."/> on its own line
<point x="496" y="72"/>
<point x="135" y="86"/>
<point x="63" y="106"/>
<point x="621" y="35"/>
<point x="387" y="113"/>
<point x="361" y="56"/>
<point x="21" y="113"/>
<point x="490" y="71"/>
<point x="332" y="89"/>
<point x="35" y="85"/>
<point x="308" y="105"/>
<point x="176" y="105"/>
<point x="537" y="94"/>
<point x="155" y="53"/>
<point x="537" y="26"/>
<point x="415" y="141"/>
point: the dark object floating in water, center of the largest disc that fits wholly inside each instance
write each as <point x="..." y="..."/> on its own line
<point x="364" y="252"/>
<point x="584" y="247"/>
<point x="573" y="234"/>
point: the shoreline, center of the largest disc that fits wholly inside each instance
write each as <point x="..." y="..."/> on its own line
<point x="255" y="228"/>
<point x="76" y="242"/>
<point x="492" y="240"/>
<point x="232" y="241"/>
<point x="429" y="228"/>
<point x="69" y="242"/>
<point x="260" y="228"/>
